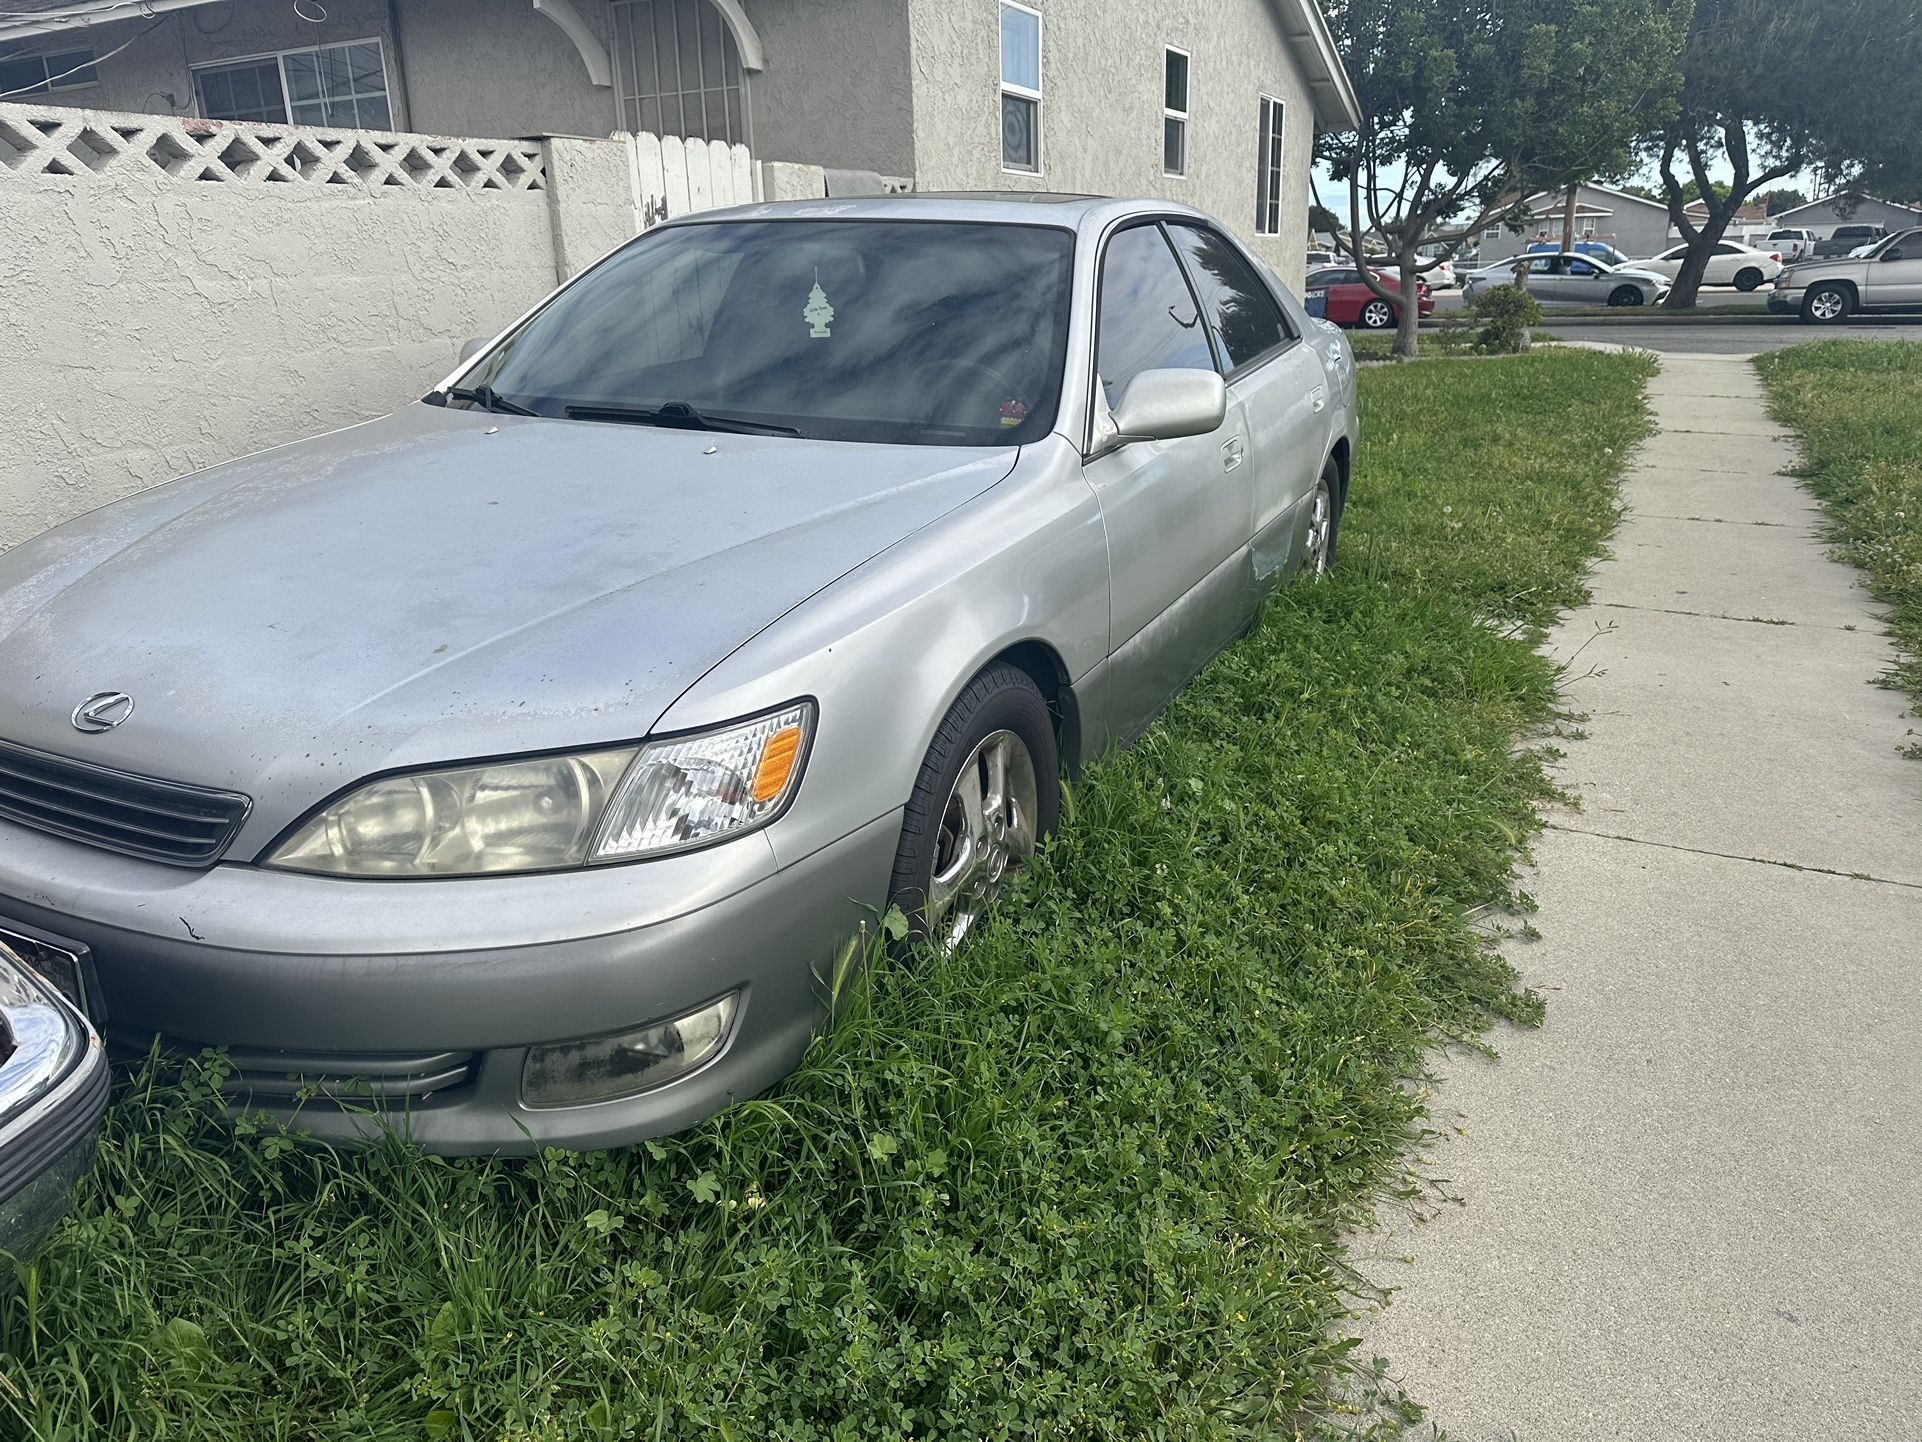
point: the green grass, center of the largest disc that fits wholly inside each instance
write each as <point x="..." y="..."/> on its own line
<point x="1091" y="1177"/>
<point x="1858" y="407"/>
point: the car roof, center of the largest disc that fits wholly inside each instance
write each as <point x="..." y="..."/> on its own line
<point x="1004" y="207"/>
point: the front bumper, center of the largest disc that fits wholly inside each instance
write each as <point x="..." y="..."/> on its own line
<point x="1786" y="301"/>
<point x="418" y="1000"/>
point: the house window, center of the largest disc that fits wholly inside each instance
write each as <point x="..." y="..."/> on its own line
<point x="1174" y="111"/>
<point x="1494" y="232"/>
<point x="38" y="74"/>
<point x="1020" y="88"/>
<point x="340" y="86"/>
<point x="1268" y="169"/>
<point x="680" y="70"/>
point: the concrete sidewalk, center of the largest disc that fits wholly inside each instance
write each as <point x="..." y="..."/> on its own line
<point x="1692" y="1201"/>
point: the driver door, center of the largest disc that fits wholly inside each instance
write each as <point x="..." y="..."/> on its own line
<point x="1177" y="512"/>
<point x="1895" y="276"/>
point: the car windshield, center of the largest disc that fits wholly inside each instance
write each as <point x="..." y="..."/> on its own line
<point x="907" y="332"/>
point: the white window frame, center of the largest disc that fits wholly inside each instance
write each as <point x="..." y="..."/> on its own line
<point x="279" y="57"/>
<point x="1271" y="163"/>
<point x="1494" y="232"/>
<point x="1021" y="91"/>
<point x="48" y="85"/>
<point x="1188" y="97"/>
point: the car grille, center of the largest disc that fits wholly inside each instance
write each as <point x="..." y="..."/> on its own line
<point x="160" y="820"/>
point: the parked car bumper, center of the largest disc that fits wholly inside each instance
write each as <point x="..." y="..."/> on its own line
<point x="1785" y="301"/>
<point x="53" y="1090"/>
<point x="344" y="1003"/>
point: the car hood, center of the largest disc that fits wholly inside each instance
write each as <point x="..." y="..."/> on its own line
<point x="433" y="586"/>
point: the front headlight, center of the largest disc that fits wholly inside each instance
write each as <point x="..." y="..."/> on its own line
<point x="549" y="812"/>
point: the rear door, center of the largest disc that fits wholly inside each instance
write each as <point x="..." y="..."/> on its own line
<point x="1274" y="378"/>
<point x="1895" y="276"/>
<point x="1177" y="512"/>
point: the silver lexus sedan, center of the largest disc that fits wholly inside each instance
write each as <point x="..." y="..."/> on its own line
<point x="522" y="760"/>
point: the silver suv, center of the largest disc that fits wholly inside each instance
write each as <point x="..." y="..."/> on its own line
<point x="1889" y="277"/>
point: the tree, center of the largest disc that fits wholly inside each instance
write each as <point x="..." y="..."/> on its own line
<point x="1783" y="197"/>
<point x="1469" y="106"/>
<point x="1774" y="87"/>
<point x="1322" y="219"/>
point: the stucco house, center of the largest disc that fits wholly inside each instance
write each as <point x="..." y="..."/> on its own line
<point x="1212" y="102"/>
<point x="1631" y="223"/>
<point x="1849" y="207"/>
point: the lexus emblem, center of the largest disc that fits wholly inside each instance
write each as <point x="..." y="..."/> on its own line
<point x="102" y="711"/>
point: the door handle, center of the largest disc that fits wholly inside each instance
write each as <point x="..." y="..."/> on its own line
<point x="1231" y="453"/>
<point x="1320" y="397"/>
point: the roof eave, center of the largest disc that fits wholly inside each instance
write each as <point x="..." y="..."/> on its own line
<point x="1337" y="107"/>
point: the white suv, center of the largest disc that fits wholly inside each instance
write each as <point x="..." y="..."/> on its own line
<point x="1889" y="277"/>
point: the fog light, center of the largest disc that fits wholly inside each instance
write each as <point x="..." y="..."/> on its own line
<point x="604" y="1067"/>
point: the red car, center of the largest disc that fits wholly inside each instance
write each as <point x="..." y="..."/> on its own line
<point x="1339" y="294"/>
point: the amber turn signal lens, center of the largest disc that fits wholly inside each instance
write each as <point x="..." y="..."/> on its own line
<point x="778" y="756"/>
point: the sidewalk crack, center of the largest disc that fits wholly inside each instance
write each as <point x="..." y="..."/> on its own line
<point x="1736" y="856"/>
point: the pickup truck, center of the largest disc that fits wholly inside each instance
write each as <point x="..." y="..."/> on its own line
<point x="1792" y="244"/>
<point x="1845" y="238"/>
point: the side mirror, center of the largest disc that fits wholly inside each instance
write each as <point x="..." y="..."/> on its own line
<point x="1161" y="405"/>
<point x="472" y="348"/>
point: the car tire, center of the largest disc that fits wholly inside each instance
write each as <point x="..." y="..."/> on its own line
<point x="1748" y="278"/>
<point x="1624" y="295"/>
<point x="1826" y="304"/>
<point x="1377" y="315"/>
<point x="1324" y="524"/>
<point x="957" y="845"/>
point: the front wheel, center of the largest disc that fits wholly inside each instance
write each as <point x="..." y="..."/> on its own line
<point x="1826" y="304"/>
<point x="1377" y="315"/>
<point x="988" y="793"/>
<point x="1625" y="295"/>
<point x="1748" y="278"/>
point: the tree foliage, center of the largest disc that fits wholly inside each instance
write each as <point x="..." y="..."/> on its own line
<point x="1471" y="105"/>
<point x="1774" y="87"/>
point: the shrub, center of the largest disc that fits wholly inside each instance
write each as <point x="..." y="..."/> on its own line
<point x="1506" y="312"/>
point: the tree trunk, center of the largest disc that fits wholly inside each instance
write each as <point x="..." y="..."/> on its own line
<point x="1408" y="326"/>
<point x="1568" y="221"/>
<point x="1688" y="281"/>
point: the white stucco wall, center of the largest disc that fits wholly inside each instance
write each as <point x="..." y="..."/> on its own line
<point x="153" y="323"/>
<point x="1102" y="93"/>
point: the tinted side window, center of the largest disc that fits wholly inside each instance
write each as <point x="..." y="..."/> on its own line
<point x="1148" y="317"/>
<point x="1246" y="320"/>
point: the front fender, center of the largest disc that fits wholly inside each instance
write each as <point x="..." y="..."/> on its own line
<point x="887" y="648"/>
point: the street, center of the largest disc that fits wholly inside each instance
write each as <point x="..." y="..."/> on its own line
<point x="1744" y="337"/>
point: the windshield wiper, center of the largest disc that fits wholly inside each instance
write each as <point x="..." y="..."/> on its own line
<point x="678" y="415"/>
<point x="488" y="399"/>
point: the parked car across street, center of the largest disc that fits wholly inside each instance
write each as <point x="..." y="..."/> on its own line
<point x="1340" y="296"/>
<point x="1731" y="263"/>
<point x="1565" y="278"/>
<point x="522" y="762"/>
<point x="1888" y="277"/>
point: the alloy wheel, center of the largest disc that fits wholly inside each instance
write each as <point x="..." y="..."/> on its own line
<point x="1321" y="526"/>
<point x="1376" y="315"/>
<point x="1826" y="305"/>
<point x="987" y="829"/>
